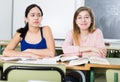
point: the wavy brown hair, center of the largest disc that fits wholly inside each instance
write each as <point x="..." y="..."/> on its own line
<point x="76" y="29"/>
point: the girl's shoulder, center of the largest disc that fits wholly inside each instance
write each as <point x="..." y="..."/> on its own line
<point x="97" y="30"/>
<point x="17" y="34"/>
<point x="70" y="31"/>
<point x="46" y="28"/>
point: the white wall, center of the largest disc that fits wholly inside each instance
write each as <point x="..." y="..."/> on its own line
<point x="5" y="19"/>
<point x="79" y="3"/>
<point x="58" y="14"/>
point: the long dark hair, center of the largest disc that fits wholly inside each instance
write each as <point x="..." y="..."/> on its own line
<point x="24" y="30"/>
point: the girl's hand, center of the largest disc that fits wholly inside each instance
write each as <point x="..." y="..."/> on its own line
<point x="26" y="53"/>
<point x="101" y="51"/>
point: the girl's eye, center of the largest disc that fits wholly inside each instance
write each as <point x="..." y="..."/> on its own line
<point x="79" y="17"/>
<point x="38" y="15"/>
<point x="32" y="15"/>
<point x="87" y="17"/>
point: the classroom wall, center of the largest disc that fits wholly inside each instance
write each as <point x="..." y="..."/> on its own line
<point x="5" y="19"/>
<point x="58" y="15"/>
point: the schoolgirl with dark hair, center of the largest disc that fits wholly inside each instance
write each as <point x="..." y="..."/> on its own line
<point x="36" y="41"/>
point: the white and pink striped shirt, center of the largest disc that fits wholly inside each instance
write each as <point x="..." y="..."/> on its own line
<point x="94" y="39"/>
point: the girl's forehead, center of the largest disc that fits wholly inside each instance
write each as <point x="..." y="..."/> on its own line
<point x="85" y="12"/>
<point x="34" y="10"/>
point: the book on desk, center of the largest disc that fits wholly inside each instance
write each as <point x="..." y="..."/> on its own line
<point x="29" y="60"/>
<point x="87" y="60"/>
<point x="72" y="60"/>
<point x="75" y="60"/>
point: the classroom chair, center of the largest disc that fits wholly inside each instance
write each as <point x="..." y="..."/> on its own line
<point x="75" y="76"/>
<point x="17" y="72"/>
<point x="113" y="75"/>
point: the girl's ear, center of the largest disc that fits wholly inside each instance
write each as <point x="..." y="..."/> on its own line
<point x="76" y="22"/>
<point x="25" y="19"/>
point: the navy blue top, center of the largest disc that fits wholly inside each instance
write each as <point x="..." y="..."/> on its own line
<point x="41" y="45"/>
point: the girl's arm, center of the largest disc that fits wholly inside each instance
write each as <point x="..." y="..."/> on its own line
<point x="50" y="51"/>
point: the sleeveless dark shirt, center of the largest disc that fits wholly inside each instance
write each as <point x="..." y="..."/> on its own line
<point x="41" y="45"/>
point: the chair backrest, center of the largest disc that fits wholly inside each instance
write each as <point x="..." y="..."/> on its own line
<point x="27" y="72"/>
<point x="113" y="75"/>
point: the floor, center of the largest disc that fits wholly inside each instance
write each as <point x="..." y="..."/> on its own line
<point x="100" y="75"/>
<point x="100" y="78"/>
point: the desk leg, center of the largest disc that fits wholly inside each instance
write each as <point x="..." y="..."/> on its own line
<point x="92" y="75"/>
<point x="0" y="49"/>
<point x="115" y="77"/>
<point x="1" y="72"/>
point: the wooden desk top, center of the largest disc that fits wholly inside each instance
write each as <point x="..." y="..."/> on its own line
<point x="103" y="66"/>
<point x="85" y="67"/>
<point x="113" y="47"/>
<point x="3" y="42"/>
<point x="114" y="63"/>
<point x="82" y="67"/>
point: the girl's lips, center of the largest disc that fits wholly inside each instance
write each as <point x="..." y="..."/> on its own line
<point x="83" y="24"/>
<point x="36" y="22"/>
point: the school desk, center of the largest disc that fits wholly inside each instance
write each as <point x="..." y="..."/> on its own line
<point x="3" y="43"/>
<point x="114" y="64"/>
<point x="75" y="68"/>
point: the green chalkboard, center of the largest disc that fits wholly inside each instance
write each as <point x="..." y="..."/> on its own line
<point x="107" y="16"/>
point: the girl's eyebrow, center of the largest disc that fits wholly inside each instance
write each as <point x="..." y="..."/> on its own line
<point x="34" y="13"/>
<point x="84" y="15"/>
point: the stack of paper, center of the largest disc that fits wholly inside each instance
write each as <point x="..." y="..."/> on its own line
<point x="15" y="58"/>
<point x="68" y="58"/>
<point x="39" y="61"/>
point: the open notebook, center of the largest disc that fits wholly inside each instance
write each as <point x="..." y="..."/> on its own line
<point x="68" y="58"/>
<point x="15" y="58"/>
<point x="92" y="59"/>
<point x="30" y="60"/>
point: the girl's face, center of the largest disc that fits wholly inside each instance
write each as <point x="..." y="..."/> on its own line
<point x="34" y="17"/>
<point x="83" y="20"/>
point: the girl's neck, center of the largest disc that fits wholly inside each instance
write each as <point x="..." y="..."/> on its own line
<point x="84" y="35"/>
<point x="34" y="30"/>
<point x="84" y="32"/>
